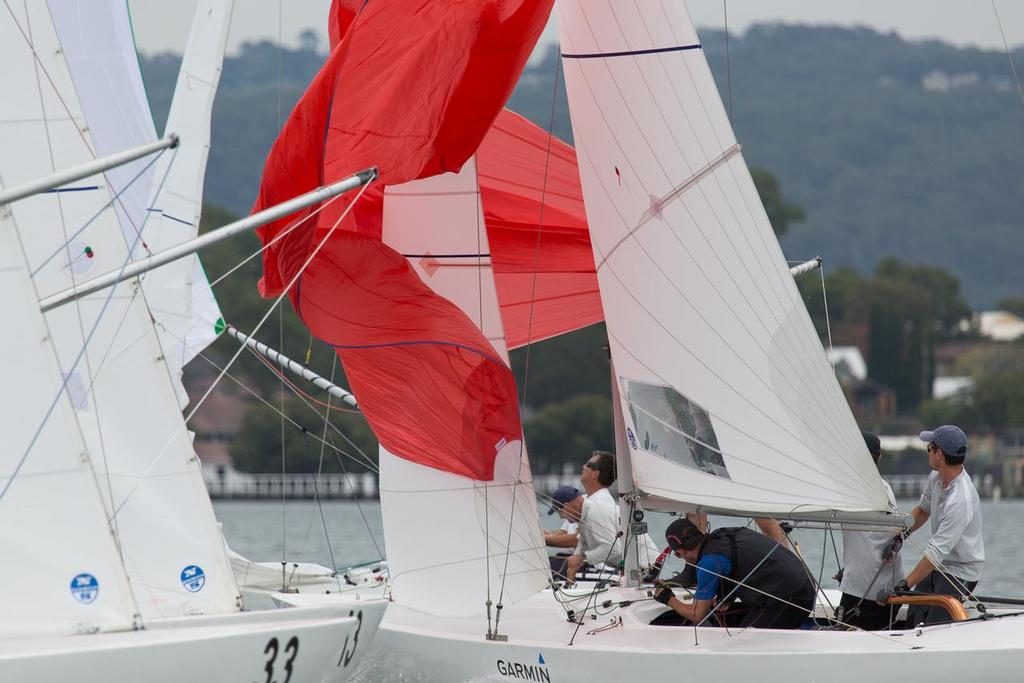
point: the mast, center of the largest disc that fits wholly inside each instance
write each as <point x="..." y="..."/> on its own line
<point x="628" y="495"/>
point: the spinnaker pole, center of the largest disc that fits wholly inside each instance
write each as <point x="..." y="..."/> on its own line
<point x="287" y="363"/>
<point x="806" y="267"/>
<point x="213" y="237"/>
<point x="91" y="168"/>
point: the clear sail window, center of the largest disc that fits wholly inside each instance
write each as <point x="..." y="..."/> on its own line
<point x="673" y="427"/>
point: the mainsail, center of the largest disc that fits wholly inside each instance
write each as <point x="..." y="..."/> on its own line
<point x="62" y="569"/>
<point x="491" y="544"/>
<point x="158" y="201"/>
<point x="146" y="468"/>
<point x="728" y="399"/>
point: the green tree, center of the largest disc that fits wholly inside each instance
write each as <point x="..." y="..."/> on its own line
<point x="1013" y="304"/>
<point x="780" y="212"/>
<point x="568" y="430"/>
<point x="257" y="447"/>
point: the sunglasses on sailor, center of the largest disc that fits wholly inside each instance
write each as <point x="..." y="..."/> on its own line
<point x="932" y="448"/>
<point x="591" y="465"/>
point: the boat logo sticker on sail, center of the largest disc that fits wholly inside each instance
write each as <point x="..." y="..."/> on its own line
<point x="673" y="427"/>
<point x="193" y="578"/>
<point x="632" y="438"/>
<point x="85" y="588"/>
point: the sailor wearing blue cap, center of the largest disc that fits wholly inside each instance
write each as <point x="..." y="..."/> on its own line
<point x="955" y="555"/>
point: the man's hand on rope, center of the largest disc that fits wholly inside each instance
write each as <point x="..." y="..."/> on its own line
<point x="662" y="593"/>
<point x="892" y="548"/>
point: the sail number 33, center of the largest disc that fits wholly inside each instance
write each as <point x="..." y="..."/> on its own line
<point x="291" y="650"/>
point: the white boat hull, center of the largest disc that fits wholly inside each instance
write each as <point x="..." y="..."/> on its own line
<point x="414" y="646"/>
<point x="300" y="645"/>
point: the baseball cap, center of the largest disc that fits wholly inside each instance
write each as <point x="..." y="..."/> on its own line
<point x="561" y="496"/>
<point x="681" y="534"/>
<point x="950" y="438"/>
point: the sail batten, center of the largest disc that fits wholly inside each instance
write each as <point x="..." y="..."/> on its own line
<point x="727" y="396"/>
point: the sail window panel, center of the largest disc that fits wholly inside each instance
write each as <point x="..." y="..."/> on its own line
<point x="672" y="426"/>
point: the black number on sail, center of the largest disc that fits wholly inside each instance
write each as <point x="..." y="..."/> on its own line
<point x="293" y="647"/>
<point x="269" y="668"/>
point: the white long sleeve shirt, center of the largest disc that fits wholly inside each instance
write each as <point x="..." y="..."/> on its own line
<point x="956" y="544"/>
<point x="862" y="560"/>
<point x="599" y="525"/>
<point x="598" y="530"/>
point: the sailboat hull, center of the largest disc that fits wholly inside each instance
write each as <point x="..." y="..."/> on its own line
<point x="414" y="646"/>
<point x="300" y="645"/>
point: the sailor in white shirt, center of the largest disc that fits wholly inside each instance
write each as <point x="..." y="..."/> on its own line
<point x="955" y="556"/>
<point x="600" y="542"/>
<point x="871" y="565"/>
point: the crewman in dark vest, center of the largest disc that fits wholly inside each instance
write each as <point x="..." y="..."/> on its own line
<point x="770" y="581"/>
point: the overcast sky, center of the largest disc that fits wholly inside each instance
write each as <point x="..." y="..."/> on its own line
<point x="162" y="26"/>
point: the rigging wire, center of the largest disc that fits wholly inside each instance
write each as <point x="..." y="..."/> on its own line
<point x="728" y="63"/>
<point x="1009" y="55"/>
<point x="529" y="328"/>
<point x="242" y="346"/>
<point x="280" y="334"/>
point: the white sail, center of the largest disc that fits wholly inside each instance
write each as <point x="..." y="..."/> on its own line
<point x="179" y="294"/>
<point x="452" y="543"/>
<point x="124" y="398"/>
<point x="99" y="48"/>
<point x="159" y="203"/>
<point x="62" y="571"/>
<point x="728" y="399"/>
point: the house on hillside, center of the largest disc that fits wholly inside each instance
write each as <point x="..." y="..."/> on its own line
<point x="1001" y="326"/>
<point x="216" y="422"/>
<point x="872" y="402"/>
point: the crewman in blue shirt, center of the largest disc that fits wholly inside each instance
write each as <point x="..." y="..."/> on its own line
<point x="773" y="587"/>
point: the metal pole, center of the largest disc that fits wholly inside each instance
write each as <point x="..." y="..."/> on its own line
<point x="806" y="267"/>
<point x="213" y="237"/>
<point x="85" y="170"/>
<point x="290" y="365"/>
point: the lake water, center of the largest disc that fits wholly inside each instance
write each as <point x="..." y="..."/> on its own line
<point x="254" y="529"/>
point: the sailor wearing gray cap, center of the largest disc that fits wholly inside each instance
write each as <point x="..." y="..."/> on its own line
<point x="955" y="555"/>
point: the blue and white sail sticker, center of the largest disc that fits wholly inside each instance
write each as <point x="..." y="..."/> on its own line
<point x="193" y="578"/>
<point x="85" y="588"/>
<point x="632" y="438"/>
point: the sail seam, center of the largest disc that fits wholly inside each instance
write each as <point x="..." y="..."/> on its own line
<point x="632" y="53"/>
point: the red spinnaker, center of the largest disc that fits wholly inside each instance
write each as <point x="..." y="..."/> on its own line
<point x="410" y="86"/>
<point x="537" y="231"/>
<point x="428" y="381"/>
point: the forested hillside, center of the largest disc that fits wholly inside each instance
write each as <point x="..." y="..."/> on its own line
<point x="911" y="149"/>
